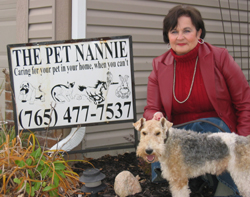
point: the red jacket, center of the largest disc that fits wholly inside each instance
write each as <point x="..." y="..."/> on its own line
<point x="225" y="83"/>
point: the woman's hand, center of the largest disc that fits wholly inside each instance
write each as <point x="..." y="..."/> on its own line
<point x="157" y="116"/>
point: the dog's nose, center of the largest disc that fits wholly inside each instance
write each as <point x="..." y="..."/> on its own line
<point x="149" y="151"/>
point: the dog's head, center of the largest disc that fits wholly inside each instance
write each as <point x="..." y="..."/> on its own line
<point x="153" y="137"/>
<point x="24" y="88"/>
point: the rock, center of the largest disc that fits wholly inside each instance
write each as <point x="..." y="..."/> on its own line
<point x="126" y="184"/>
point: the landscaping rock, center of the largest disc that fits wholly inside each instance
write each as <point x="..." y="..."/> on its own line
<point x="126" y="184"/>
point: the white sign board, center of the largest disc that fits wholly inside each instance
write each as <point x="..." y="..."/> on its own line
<point x="70" y="83"/>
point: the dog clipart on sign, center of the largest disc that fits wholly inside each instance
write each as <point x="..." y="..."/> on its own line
<point x="29" y="93"/>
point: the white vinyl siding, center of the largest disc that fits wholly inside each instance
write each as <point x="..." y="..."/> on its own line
<point x="41" y="20"/>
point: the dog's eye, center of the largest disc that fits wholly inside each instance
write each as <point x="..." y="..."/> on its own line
<point x="144" y="133"/>
<point x="158" y="133"/>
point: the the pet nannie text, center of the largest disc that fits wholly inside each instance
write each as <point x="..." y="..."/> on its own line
<point x="66" y="53"/>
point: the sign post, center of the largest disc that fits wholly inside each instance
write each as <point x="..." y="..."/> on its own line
<point x="63" y="84"/>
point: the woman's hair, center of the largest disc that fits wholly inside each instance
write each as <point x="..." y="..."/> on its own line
<point x="171" y="20"/>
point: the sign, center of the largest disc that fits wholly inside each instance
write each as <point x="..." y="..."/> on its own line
<point x="69" y="83"/>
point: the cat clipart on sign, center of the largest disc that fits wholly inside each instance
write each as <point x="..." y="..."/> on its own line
<point x="61" y="93"/>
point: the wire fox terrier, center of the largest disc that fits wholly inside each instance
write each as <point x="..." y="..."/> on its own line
<point x="187" y="154"/>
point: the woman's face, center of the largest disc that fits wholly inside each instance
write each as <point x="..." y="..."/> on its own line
<point x="184" y="37"/>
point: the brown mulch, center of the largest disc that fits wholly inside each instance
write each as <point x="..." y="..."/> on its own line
<point x="111" y="166"/>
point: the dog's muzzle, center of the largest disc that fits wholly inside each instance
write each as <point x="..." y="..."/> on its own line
<point x="150" y="157"/>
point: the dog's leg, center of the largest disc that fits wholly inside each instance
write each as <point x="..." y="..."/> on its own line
<point x="179" y="188"/>
<point x="243" y="188"/>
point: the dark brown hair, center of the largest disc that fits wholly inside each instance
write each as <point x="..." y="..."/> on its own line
<point x="171" y="20"/>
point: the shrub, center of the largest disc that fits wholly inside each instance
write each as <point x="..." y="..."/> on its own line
<point x="27" y="169"/>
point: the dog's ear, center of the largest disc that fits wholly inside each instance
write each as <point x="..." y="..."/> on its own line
<point x="165" y="124"/>
<point x="169" y="124"/>
<point x="139" y="124"/>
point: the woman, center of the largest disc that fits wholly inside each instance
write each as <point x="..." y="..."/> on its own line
<point x="195" y="81"/>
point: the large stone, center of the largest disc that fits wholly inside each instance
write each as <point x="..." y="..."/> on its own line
<point x="126" y="184"/>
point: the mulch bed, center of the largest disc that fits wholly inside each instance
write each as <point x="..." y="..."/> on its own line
<point x="111" y="166"/>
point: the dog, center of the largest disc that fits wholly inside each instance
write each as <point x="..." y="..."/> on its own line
<point x="29" y="93"/>
<point x="185" y="154"/>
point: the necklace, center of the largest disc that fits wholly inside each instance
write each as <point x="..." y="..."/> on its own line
<point x="192" y="83"/>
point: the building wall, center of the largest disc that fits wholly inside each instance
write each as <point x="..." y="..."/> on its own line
<point x="226" y="21"/>
<point x="7" y="36"/>
<point x="46" y="20"/>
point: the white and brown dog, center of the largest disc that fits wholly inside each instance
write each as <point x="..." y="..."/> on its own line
<point x="187" y="154"/>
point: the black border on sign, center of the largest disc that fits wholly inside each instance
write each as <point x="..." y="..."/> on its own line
<point x="10" y="46"/>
